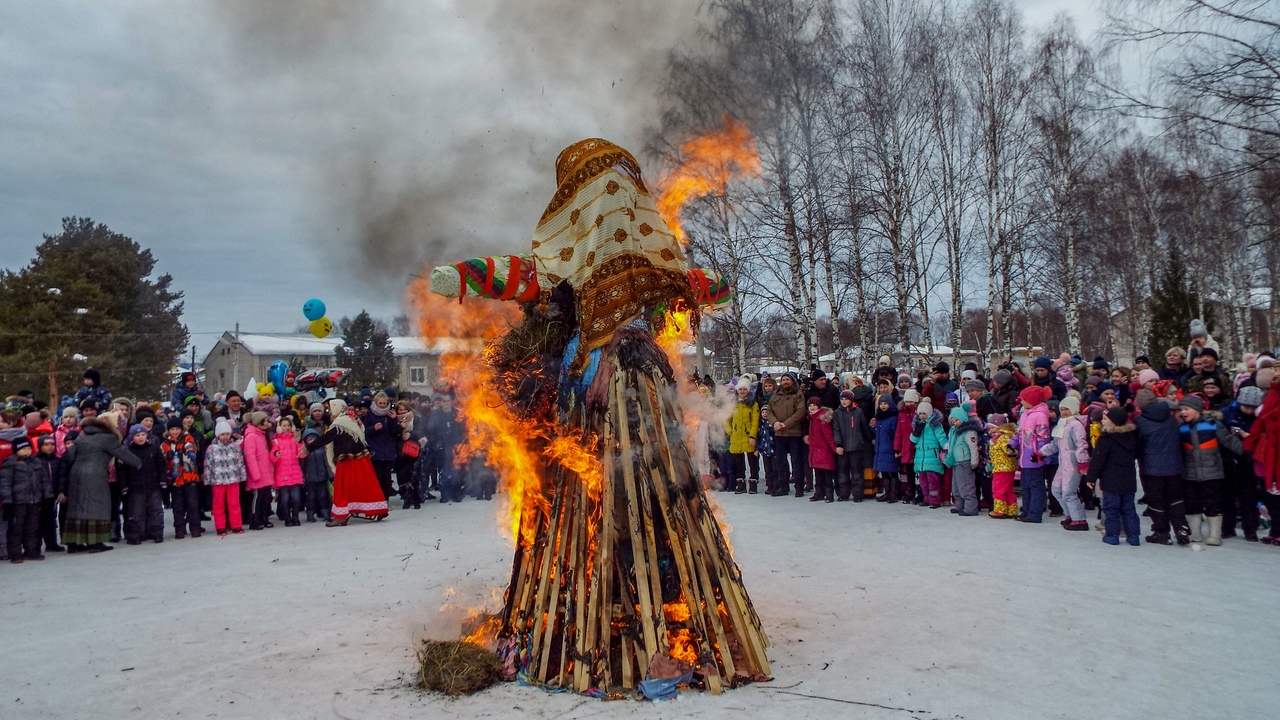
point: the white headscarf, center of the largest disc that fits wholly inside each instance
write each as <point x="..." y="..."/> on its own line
<point x="343" y="422"/>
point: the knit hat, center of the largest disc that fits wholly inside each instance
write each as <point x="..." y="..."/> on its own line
<point x="997" y="419"/>
<point x="94" y="375"/>
<point x="815" y="400"/>
<point x="1199" y="329"/>
<point x="974" y="385"/>
<point x="1250" y="396"/>
<point x="45" y="438"/>
<point x="1210" y="352"/>
<point x="1100" y="363"/>
<point x="884" y="360"/>
<point x="903" y="378"/>
<point x="1211" y="380"/>
<point x="1071" y="404"/>
<point x="1148" y="376"/>
<point x="316" y="406"/>
<point x="1043" y="361"/>
<point x="847" y="394"/>
<point x="22" y="441"/>
<point x="174" y="422"/>
<point x="1062" y="360"/>
<point x="1117" y="415"/>
<point x="190" y="399"/>
<point x="1105" y="386"/>
<point x="1092" y="381"/>
<point x="886" y="398"/>
<point x="942" y="367"/>
<point x="1193" y="401"/>
<point x="255" y="418"/>
<point x="1034" y="394"/>
<point x="222" y="427"/>
<point x="234" y="394"/>
<point x="925" y="408"/>
<point x="1143" y="398"/>
<point x="746" y="380"/>
<point x="969" y="375"/>
<point x="70" y="412"/>
<point x="911" y="396"/>
<point x="1003" y="377"/>
<point x="137" y="428"/>
<point x="815" y="373"/>
<point x="1142" y="359"/>
<point x="958" y="413"/>
<point x="795" y="378"/>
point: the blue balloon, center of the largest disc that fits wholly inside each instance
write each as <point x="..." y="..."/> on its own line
<point x="313" y="309"/>
<point x="275" y="375"/>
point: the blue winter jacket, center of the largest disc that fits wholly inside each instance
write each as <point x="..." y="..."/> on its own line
<point x="885" y="429"/>
<point x="1159" y="446"/>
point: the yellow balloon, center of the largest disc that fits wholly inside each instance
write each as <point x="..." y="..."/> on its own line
<point x="321" y="328"/>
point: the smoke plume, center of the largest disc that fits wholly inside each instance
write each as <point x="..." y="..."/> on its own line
<point x="430" y="132"/>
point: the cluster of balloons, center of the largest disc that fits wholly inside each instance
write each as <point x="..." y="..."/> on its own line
<point x="314" y="310"/>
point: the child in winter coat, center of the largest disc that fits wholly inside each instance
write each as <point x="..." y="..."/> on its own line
<point x="929" y="438"/>
<point x="1071" y="443"/>
<point x="1204" y="440"/>
<point x="742" y="427"/>
<point x="905" y="452"/>
<point x="316" y="474"/>
<point x="69" y="421"/>
<point x="1113" y="467"/>
<point x="1031" y="441"/>
<point x="1004" y="464"/>
<point x="182" y="468"/>
<point x="144" y="512"/>
<point x="224" y="471"/>
<point x="885" y="461"/>
<point x="23" y="486"/>
<point x="962" y="457"/>
<point x="261" y="475"/>
<point x="53" y="467"/>
<point x="822" y="451"/>
<point x="852" y="436"/>
<point x="285" y="453"/>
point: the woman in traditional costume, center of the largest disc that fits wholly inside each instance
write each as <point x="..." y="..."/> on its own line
<point x="355" y="486"/>
<point x="617" y="569"/>
<point x="88" y="525"/>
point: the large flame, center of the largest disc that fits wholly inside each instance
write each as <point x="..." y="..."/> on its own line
<point x="708" y="161"/>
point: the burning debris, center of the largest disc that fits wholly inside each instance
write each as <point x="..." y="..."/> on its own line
<point x="622" y="573"/>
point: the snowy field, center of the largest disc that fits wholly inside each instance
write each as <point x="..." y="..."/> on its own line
<point x="874" y="611"/>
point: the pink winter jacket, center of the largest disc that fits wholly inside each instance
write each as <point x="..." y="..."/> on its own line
<point x="284" y="455"/>
<point x="257" y="458"/>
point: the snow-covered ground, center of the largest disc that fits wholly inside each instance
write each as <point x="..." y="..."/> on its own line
<point x="874" y="611"/>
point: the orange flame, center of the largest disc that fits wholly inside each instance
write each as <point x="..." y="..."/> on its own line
<point x="681" y="646"/>
<point x="710" y="161"/>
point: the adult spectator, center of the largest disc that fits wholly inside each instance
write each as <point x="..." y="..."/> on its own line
<point x="1207" y="368"/>
<point x="1004" y="394"/>
<point x="939" y="384"/>
<point x="89" y="501"/>
<point x="1042" y="375"/>
<point x="820" y="387"/>
<point x="1175" y="365"/>
<point x="787" y="408"/>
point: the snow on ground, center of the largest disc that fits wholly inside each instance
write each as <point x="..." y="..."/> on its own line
<point x="881" y="611"/>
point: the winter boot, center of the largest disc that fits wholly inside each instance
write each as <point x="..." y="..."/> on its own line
<point x="1183" y="535"/>
<point x="115" y="532"/>
<point x="1156" y="538"/>
<point x="1193" y="522"/>
<point x="1249" y="536"/>
<point x="1215" y="530"/>
<point x="753" y="485"/>
<point x="741" y="487"/>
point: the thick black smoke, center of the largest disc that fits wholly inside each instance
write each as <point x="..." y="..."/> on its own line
<point x="431" y="132"/>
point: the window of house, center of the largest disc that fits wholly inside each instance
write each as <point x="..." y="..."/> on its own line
<point x="417" y="376"/>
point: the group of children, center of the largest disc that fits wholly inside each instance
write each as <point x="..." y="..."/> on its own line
<point x="1071" y="444"/>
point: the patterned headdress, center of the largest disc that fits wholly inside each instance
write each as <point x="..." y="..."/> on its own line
<point x="602" y="234"/>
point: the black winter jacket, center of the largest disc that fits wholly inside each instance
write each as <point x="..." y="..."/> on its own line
<point x="151" y="476"/>
<point x="1159" y="448"/>
<point x="57" y="472"/>
<point x="1112" y="462"/>
<point x="23" y="481"/>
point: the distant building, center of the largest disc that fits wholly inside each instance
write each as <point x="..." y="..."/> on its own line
<point x="236" y="359"/>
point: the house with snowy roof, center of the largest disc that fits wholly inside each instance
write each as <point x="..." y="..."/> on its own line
<point x="237" y="357"/>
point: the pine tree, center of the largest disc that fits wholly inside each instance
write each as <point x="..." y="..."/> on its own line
<point x="1173" y="307"/>
<point x="366" y="349"/>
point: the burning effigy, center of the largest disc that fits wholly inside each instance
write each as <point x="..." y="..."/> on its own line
<point x="622" y="574"/>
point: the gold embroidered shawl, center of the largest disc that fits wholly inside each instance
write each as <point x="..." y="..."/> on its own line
<point x="602" y="233"/>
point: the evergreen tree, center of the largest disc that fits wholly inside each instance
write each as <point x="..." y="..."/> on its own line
<point x="366" y="349"/>
<point x="88" y="293"/>
<point x="1173" y="307"/>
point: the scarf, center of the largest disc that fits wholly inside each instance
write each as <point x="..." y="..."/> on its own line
<point x="344" y="422"/>
<point x="380" y="412"/>
<point x="603" y="235"/>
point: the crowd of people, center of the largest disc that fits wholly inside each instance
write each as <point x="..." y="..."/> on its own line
<point x="97" y="470"/>
<point x="1065" y="438"/>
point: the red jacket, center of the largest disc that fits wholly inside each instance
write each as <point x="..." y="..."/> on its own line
<point x="902" y="436"/>
<point x="257" y="458"/>
<point x="822" y="442"/>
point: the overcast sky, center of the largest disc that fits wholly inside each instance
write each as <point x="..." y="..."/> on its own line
<point x="268" y="152"/>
